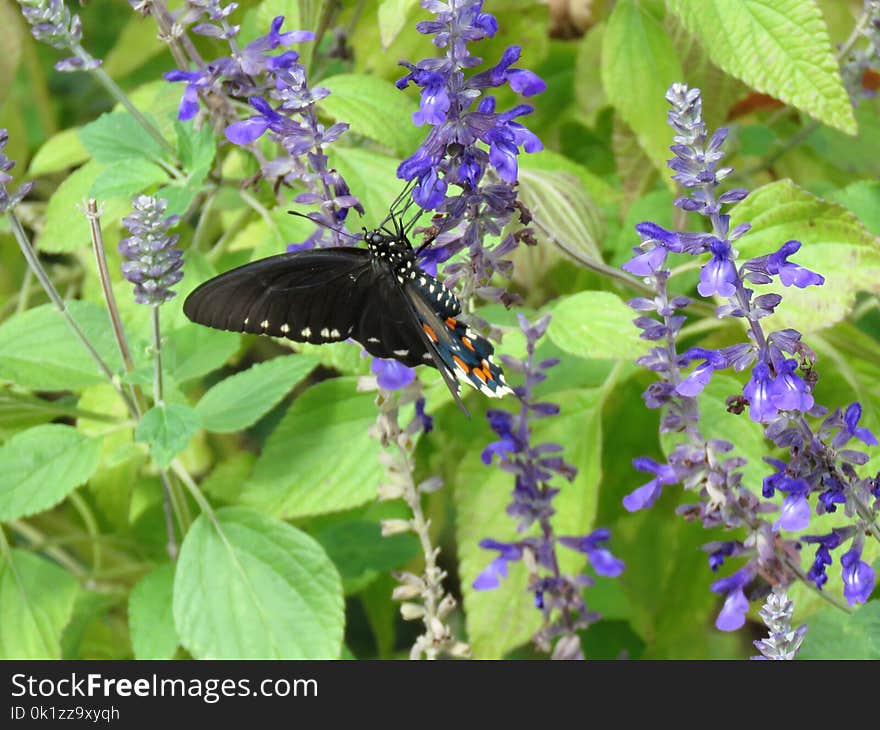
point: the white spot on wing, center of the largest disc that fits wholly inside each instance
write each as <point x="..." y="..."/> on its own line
<point x="264" y="324"/>
<point x="285" y="328"/>
<point x="325" y="333"/>
<point x="306" y="332"/>
<point x="401" y="353"/>
<point x="372" y="339"/>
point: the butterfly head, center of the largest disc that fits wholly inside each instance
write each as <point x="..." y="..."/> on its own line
<point x="395" y="250"/>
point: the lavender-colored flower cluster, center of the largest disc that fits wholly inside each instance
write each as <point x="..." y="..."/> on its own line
<point x="153" y="262"/>
<point x="276" y="87"/>
<point x="9" y="200"/>
<point x="465" y="143"/>
<point x="52" y="23"/>
<point x="778" y="393"/>
<point x="557" y="595"/>
<point x="783" y="642"/>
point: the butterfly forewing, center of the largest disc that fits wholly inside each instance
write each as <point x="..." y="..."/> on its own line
<point x="307" y="296"/>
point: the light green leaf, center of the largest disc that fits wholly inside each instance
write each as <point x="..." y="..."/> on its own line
<point x="195" y="147"/>
<point x="562" y="206"/>
<point x="863" y="199"/>
<point x="37" y="600"/>
<point x="116" y="137"/>
<point x="193" y="351"/>
<point x="127" y="180"/>
<point x="11" y="32"/>
<point x="41" y="466"/>
<point x="38" y="349"/>
<point x="392" y="17"/>
<point x="66" y="225"/>
<point x="59" y="152"/>
<point x="150" y="615"/>
<point x="638" y="64"/>
<point x="835" y="244"/>
<point x="832" y="634"/>
<point x="503" y="618"/>
<point x="595" y="325"/>
<point x="372" y="178"/>
<point x="167" y="429"/>
<point x="778" y="47"/>
<point x="320" y="457"/>
<point x="241" y="399"/>
<point x="374" y="108"/>
<point x="251" y="587"/>
<point x="135" y="44"/>
<point x="268" y="10"/>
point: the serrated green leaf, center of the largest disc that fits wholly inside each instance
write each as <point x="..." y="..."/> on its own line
<point x="195" y="147"/>
<point x="832" y="634"/>
<point x="41" y="466"/>
<point x="374" y="108"/>
<point x="392" y="15"/>
<point x="778" y="47"/>
<point x="38" y="349"/>
<point x="59" y="152"/>
<point x="20" y="410"/>
<point x="863" y="199"/>
<point x="37" y="599"/>
<point x="835" y="244"/>
<point x="117" y="137"/>
<point x="151" y="615"/>
<point x="167" y="430"/>
<point x="241" y="399"/>
<point x="360" y="553"/>
<point x="125" y="181"/>
<point x="66" y="226"/>
<point x="503" y="618"/>
<point x="595" y="325"/>
<point x="638" y="65"/>
<point x="251" y="587"/>
<point x="320" y="457"/>
<point x="193" y="351"/>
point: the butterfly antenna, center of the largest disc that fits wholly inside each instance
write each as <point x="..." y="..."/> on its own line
<point x="324" y="225"/>
<point x="393" y="208"/>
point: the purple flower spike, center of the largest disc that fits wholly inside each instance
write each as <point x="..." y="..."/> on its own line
<point x="391" y="374"/>
<point x="858" y="577"/>
<point x="759" y="393"/>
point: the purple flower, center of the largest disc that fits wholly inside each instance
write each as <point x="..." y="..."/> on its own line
<point x="719" y="275"/>
<point x="826" y="543"/>
<point x="491" y="577"/>
<point x="759" y="392"/>
<point x="791" y="273"/>
<point x="189" y="102"/>
<point x="851" y="428"/>
<point x="694" y="383"/>
<point x="603" y="562"/>
<point x="733" y="613"/>
<point x="858" y="577"/>
<point x="153" y="262"/>
<point x="787" y="391"/>
<point x="795" y="513"/>
<point x="391" y="374"/>
<point x="647" y="494"/>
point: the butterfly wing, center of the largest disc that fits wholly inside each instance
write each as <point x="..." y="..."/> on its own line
<point x="308" y="296"/>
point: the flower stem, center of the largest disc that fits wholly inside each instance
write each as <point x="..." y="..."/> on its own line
<point x="37" y="267"/>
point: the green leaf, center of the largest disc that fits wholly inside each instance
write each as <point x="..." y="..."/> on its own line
<point x="167" y="429"/>
<point x="392" y="17"/>
<point x="41" y="466"/>
<point x="195" y="147"/>
<point x="863" y="199"/>
<point x="151" y="616"/>
<point x="59" y="152"/>
<point x="563" y="207"/>
<point x="501" y="619"/>
<point x="638" y="65"/>
<point x="38" y="349"/>
<point x="117" y="137"/>
<point x="251" y="587"/>
<point x="374" y="108"/>
<point x="37" y="600"/>
<point x="778" y="47"/>
<point x="268" y="10"/>
<point x="320" y="457"/>
<point x="595" y="325"/>
<point x="21" y="410"/>
<point x="372" y="178"/>
<point x="66" y="226"/>
<point x="240" y="400"/>
<point x="359" y="551"/>
<point x="135" y="44"/>
<point x="193" y="351"/>
<point x="11" y="33"/>
<point x="832" y="634"/>
<point x="127" y="180"/>
<point x="835" y="244"/>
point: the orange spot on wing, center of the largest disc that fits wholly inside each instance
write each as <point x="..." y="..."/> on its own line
<point x="430" y="332"/>
<point x="480" y="374"/>
<point x="458" y="361"/>
<point x="467" y="343"/>
<point x="451" y="323"/>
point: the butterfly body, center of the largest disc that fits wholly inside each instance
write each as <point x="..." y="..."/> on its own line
<point x="378" y="296"/>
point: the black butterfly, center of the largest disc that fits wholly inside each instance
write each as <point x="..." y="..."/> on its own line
<point x="378" y="296"/>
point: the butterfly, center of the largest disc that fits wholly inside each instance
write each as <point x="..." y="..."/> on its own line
<point x="378" y="296"/>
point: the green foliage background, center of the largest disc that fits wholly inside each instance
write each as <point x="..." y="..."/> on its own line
<point x="293" y="565"/>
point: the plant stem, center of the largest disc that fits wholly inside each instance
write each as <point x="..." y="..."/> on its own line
<point x="37" y="267"/>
